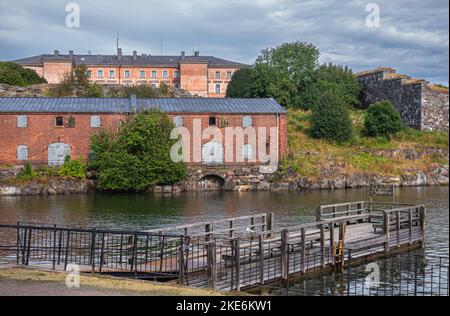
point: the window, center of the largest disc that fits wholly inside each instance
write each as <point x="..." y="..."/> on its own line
<point x="71" y="121"/>
<point x="247" y="121"/>
<point x="22" y="152"/>
<point x="154" y="74"/>
<point x="100" y="73"/>
<point x="95" y="121"/>
<point x="126" y="74"/>
<point x="142" y="74"/>
<point x="59" y="121"/>
<point x="165" y="74"/>
<point x="217" y="74"/>
<point x="176" y="74"/>
<point x="112" y="74"/>
<point x="22" y="121"/>
<point x="247" y="152"/>
<point x="178" y="121"/>
<point x="217" y="88"/>
<point x="154" y="85"/>
<point x="229" y="74"/>
<point x="212" y="121"/>
<point x="88" y="73"/>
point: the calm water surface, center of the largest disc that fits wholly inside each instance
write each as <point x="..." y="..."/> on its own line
<point x="138" y="211"/>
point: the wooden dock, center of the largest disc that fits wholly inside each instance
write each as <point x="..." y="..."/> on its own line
<point x="227" y="254"/>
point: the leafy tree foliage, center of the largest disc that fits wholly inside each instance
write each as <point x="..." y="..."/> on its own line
<point x="15" y="75"/>
<point x="240" y="84"/>
<point x="138" y="156"/>
<point x="330" y="119"/>
<point x="382" y="119"/>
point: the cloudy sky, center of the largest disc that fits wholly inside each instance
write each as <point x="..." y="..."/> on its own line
<point x="412" y="36"/>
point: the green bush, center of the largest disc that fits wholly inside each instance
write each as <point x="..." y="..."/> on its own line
<point x="382" y="119"/>
<point x="15" y="75"/>
<point x="91" y="91"/>
<point x="330" y="119"/>
<point x="27" y="173"/>
<point x="73" y="168"/>
<point x="138" y="156"/>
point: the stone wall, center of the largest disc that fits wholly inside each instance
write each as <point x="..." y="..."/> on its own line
<point x="419" y="104"/>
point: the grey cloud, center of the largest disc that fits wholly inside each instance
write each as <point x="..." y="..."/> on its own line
<point x="413" y="36"/>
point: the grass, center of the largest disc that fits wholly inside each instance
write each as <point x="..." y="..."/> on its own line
<point x="316" y="158"/>
<point x="32" y="277"/>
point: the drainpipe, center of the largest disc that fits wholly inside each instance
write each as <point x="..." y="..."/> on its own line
<point x="278" y="138"/>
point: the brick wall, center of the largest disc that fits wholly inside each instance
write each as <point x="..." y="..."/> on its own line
<point x="41" y="131"/>
<point x="53" y="72"/>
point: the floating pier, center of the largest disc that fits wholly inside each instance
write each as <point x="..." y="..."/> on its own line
<point x="227" y="254"/>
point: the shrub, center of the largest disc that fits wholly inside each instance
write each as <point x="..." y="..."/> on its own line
<point x="382" y="119"/>
<point x="138" y="156"/>
<point x="15" y="75"/>
<point x="330" y="119"/>
<point x="73" y="168"/>
<point x="240" y="84"/>
<point x="27" y="172"/>
<point x="91" y="91"/>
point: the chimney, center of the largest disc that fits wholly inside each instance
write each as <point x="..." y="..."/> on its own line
<point x="56" y="52"/>
<point x="134" y="55"/>
<point x="183" y="54"/>
<point x="89" y="52"/>
<point x="196" y="53"/>
<point x="71" y="54"/>
<point x="119" y="53"/>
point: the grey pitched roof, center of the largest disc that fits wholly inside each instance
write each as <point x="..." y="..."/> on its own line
<point x="113" y="105"/>
<point x="127" y="60"/>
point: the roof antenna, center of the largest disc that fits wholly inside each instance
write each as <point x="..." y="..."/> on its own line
<point x="117" y="40"/>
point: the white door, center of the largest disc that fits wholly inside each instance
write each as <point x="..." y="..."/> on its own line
<point x="57" y="152"/>
<point x="212" y="153"/>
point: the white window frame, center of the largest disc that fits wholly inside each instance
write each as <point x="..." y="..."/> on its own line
<point x="217" y="86"/>
<point x="125" y="72"/>
<point x="218" y="75"/>
<point x="176" y="74"/>
<point x="22" y="121"/>
<point x="229" y="75"/>
<point x="113" y="72"/>
<point x="165" y="74"/>
<point x="20" y="157"/>
<point x="246" y="119"/>
<point x="93" y="120"/>
<point x="178" y="121"/>
<point x="100" y="73"/>
<point x="154" y="74"/>
<point x="140" y="74"/>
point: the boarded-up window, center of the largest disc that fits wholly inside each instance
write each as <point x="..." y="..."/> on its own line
<point x="71" y="121"/>
<point x="22" y="121"/>
<point x="178" y="121"/>
<point x="247" y="121"/>
<point x="22" y="152"/>
<point x="96" y="121"/>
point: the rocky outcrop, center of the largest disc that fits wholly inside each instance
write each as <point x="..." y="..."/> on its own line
<point x="49" y="187"/>
<point x="30" y="91"/>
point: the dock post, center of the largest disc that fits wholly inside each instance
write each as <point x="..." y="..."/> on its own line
<point x="322" y="246"/>
<point x="270" y="219"/>
<point x="231" y="231"/>
<point x="319" y="214"/>
<point x="181" y="262"/>
<point x="261" y="259"/>
<point x="423" y="214"/>
<point x="212" y="265"/>
<point x="303" y="250"/>
<point x="284" y="256"/>
<point x="386" y="228"/>
<point x="208" y="230"/>
<point x="397" y="225"/>
<point x="410" y="225"/>
<point x="332" y="244"/>
<point x="237" y="263"/>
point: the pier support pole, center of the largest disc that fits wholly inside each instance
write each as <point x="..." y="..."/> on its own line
<point x="386" y="229"/>
<point x="284" y="256"/>
<point x="423" y="214"/>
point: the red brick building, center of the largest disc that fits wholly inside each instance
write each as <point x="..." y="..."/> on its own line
<point x="206" y="76"/>
<point x="45" y="130"/>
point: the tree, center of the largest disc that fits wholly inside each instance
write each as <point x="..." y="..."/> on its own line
<point x="330" y="119"/>
<point x="240" y="84"/>
<point x="337" y="78"/>
<point x="137" y="156"/>
<point x="15" y="75"/>
<point x="382" y="119"/>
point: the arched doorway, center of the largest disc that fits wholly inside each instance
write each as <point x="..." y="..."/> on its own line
<point x="212" y="153"/>
<point x="57" y="152"/>
<point x="211" y="182"/>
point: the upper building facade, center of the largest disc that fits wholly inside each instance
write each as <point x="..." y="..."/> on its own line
<point x="206" y="76"/>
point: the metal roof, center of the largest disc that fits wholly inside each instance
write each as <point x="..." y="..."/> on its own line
<point x="114" y="105"/>
<point x="128" y="60"/>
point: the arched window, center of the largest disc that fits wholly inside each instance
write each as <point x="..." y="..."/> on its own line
<point x="22" y="152"/>
<point x="95" y="121"/>
<point x="247" y="121"/>
<point x="178" y="121"/>
<point x="247" y="152"/>
<point x="218" y="88"/>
